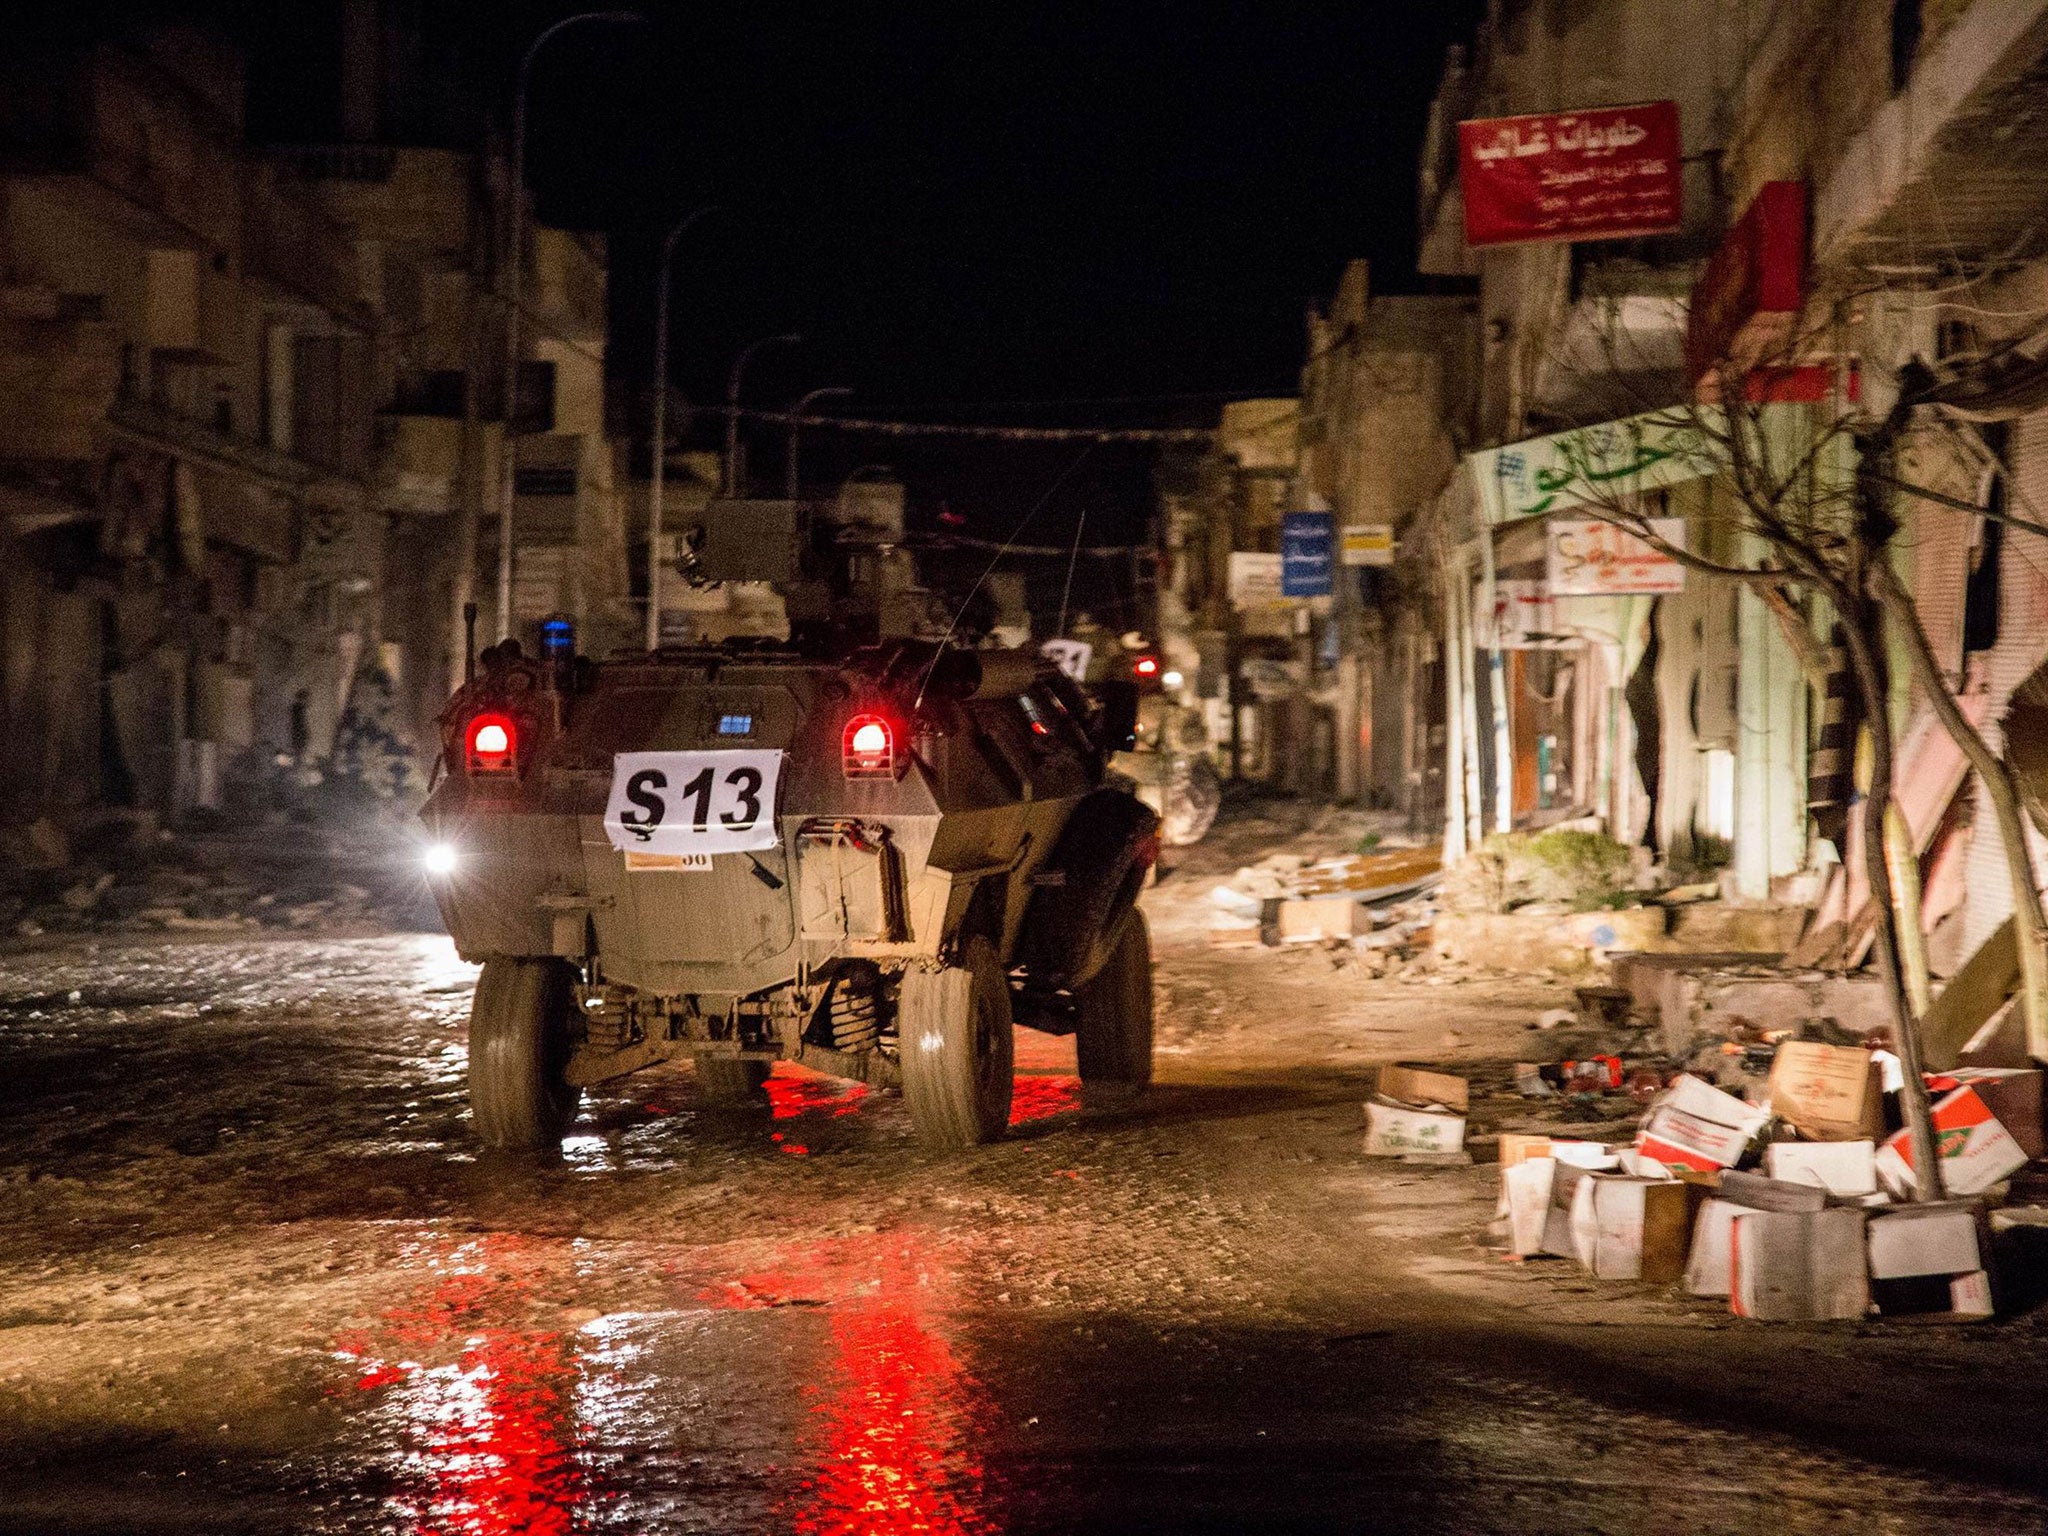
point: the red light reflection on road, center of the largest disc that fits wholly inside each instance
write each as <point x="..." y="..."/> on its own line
<point x="793" y="1092"/>
<point x="896" y="1446"/>
<point x="1040" y="1098"/>
<point x="491" y="1436"/>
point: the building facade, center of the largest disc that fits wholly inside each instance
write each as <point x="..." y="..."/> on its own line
<point x="251" y="432"/>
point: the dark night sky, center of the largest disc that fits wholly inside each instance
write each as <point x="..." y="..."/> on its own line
<point x="977" y="203"/>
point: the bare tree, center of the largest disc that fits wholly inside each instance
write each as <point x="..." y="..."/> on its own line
<point x="1788" y="484"/>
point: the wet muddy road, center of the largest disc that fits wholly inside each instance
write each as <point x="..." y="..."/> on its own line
<point x="254" y="1276"/>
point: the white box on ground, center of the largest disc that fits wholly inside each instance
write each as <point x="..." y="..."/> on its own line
<point x="1525" y="1189"/>
<point x="1846" y="1169"/>
<point x="1799" y="1266"/>
<point x="1940" y="1245"/>
<point x="1976" y="1151"/>
<point x="1695" y="1125"/>
<point x="1557" y="1221"/>
<point x="1628" y="1228"/>
<point x="1707" y="1266"/>
<point x="1394" y="1130"/>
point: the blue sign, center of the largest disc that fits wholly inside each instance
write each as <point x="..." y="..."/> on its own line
<point x="1308" y="542"/>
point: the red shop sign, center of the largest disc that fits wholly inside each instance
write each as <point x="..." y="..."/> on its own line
<point x="1759" y="269"/>
<point x="1605" y="173"/>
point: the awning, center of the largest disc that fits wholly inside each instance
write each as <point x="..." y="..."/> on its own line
<point x="1597" y="466"/>
<point x="1602" y="467"/>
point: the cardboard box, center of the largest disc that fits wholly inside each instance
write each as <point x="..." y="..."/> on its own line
<point x="1708" y="1264"/>
<point x="1930" y="1261"/>
<point x="1845" y="1169"/>
<point x="1628" y="1228"/>
<point x="1394" y="1130"/>
<point x="1415" y="1085"/>
<point x="1766" y="1194"/>
<point x="1525" y="1192"/>
<point x="2012" y="1094"/>
<point x="1695" y="1125"/>
<point x="1975" y="1150"/>
<point x="1311" y="919"/>
<point x="1798" y="1266"/>
<point x="1564" y="1186"/>
<point x="1828" y="1092"/>
<point x="1519" y="1147"/>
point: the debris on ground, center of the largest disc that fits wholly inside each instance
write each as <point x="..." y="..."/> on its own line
<point x="1417" y="1112"/>
<point x="121" y="871"/>
<point x="1372" y="910"/>
<point x="1768" y="1171"/>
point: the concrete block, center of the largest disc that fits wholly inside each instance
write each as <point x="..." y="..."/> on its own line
<point x="1694" y="1003"/>
<point x="1710" y="926"/>
<point x="1643" y="973"/>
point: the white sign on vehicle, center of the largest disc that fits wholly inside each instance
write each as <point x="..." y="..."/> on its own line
<point x="693" y="802"/>
<point x="638" y="863"/>
<point x="1070" y="656"/>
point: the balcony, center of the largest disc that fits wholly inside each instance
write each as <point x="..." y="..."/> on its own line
<point x="58" y="375"/>
<point x="1620" y="344"/>
<point x="1950" y="175"/>
<point x="428" y="199"/>
<point x="296" y="252"/>
<point x="138" y="145"/>
<point x="567" y="296"/>
<point x="155" y="426"/>
<point x="420" y="464"/>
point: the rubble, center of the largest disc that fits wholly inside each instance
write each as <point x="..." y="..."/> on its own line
<point x="126" y="874"/>
<point x="1784" y="1194"/>
<point x="1371" y="910"/>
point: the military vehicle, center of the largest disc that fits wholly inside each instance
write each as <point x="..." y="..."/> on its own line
<point x="871" y="860"/>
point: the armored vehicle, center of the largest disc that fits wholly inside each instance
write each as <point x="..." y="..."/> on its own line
<point x="872" y="861"/>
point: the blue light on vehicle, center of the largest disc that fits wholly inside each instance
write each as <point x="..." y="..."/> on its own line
<point x="735" y="725"/>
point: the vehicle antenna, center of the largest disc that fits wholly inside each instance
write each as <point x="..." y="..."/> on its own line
<point x="1015" y="534"/>
<point x="1073" y="559"/>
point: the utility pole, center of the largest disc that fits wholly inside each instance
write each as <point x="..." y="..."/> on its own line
<point x="793" y="485"/>
<point x="514" y="264"/>
<point x="730" y="479"/>
<point x="660" y="440"/>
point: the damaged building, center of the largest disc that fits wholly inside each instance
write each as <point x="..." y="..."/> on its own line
<point x="252" y="428"/>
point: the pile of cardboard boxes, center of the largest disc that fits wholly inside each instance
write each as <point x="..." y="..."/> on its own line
<point x="1799" y="1208"/>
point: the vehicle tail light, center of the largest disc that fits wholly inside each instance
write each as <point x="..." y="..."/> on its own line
<point x="492" y="744"/>
<point x="868" y="750"/>
<point x="1146" y="666"/>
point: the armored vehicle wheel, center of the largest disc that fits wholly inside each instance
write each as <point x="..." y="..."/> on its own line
<point x="1113" y="1035"/>
<point x="518" y="1045"/>
<point x="957" y="1050"/>
<point x="723" y="1081"/>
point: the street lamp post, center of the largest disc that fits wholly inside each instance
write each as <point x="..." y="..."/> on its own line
<point x="668" y="252"/>
<point x="732" y="406"/>
<point x="796" y="428"/>
<point x="514" y="263"/>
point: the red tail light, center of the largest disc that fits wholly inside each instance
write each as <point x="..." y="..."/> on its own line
<point x="868" y="750"/>
<point x="1146" y="666"/>
<point x="492" y="744"/>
